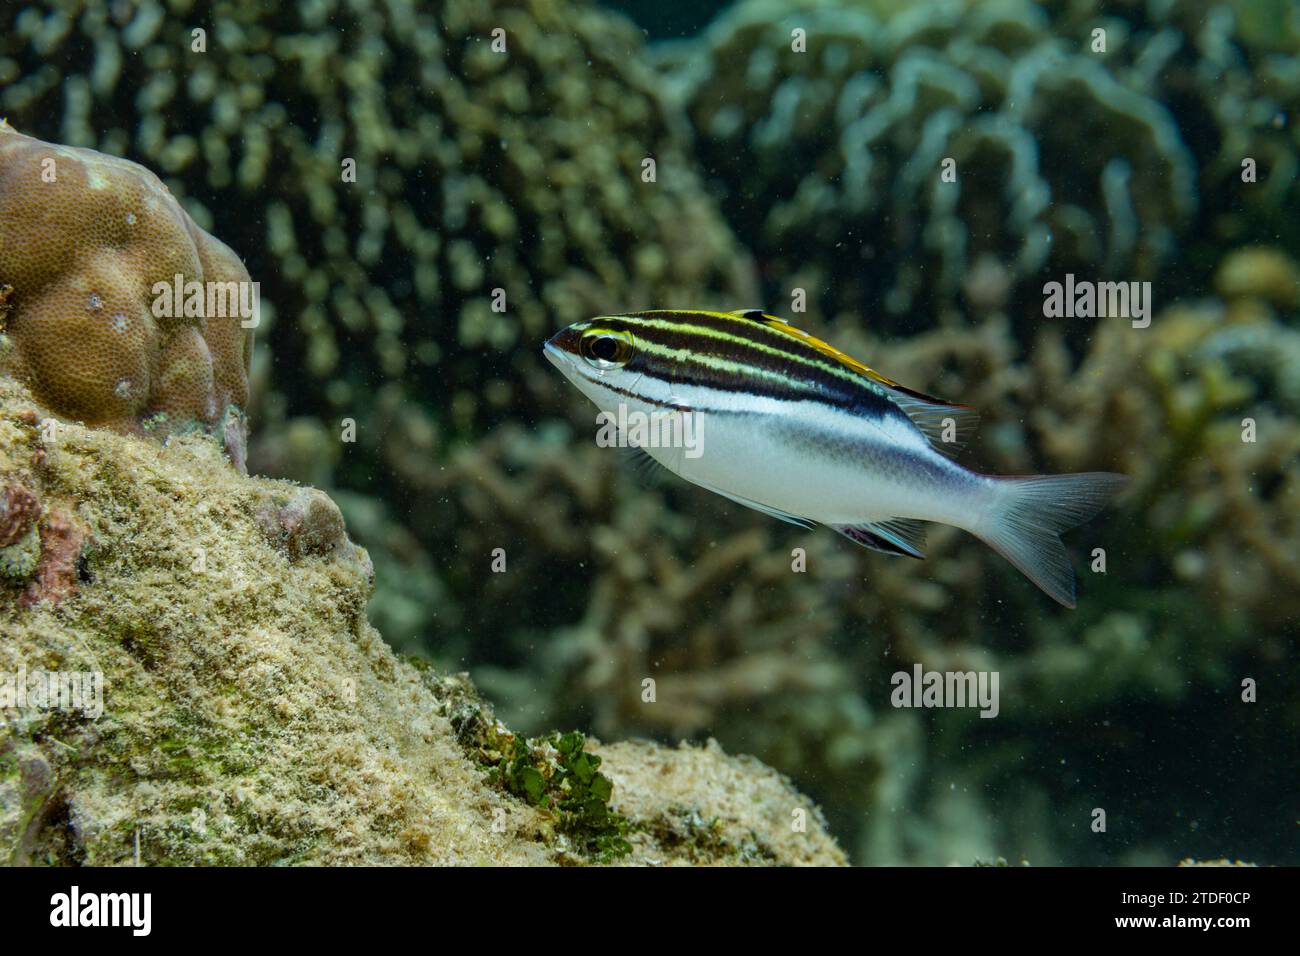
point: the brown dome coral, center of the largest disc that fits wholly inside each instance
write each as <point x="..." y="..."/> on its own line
<point x="88" y="243"/>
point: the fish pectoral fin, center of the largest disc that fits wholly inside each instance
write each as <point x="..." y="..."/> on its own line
<point x="759" y="506"/>
<point x="646" y="470"/>
<point x="904" y="536"/>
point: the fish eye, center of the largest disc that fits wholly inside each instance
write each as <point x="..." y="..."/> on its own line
<point x="606" y="350"/>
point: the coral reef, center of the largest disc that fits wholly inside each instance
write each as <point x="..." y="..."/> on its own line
<point x="250" y="714"/>
<point x="381" y="215"/>
<point x="440" y="437"/>
<point x="392" y="210"/>
<point x="828" y="158"/>
<point x="84" y="238"/>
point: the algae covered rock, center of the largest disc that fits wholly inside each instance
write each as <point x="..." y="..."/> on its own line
<point x="205" y="688"/>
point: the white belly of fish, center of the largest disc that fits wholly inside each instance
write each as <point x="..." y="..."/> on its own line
<point x="822" y="464"/>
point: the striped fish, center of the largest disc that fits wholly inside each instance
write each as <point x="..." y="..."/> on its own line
<point x="797" y="429"/>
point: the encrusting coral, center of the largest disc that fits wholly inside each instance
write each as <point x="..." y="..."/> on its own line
<point x="252" y="715"/>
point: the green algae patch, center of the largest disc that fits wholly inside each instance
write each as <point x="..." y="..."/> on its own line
<point x="555" y="773"/>
<point x="248" y="712"/>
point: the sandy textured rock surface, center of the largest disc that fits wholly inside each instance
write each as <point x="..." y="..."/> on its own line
<point x="751" y="814"/>
<point x="251" y="715"/>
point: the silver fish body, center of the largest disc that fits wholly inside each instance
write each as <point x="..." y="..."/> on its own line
<point x="793" y="427"/>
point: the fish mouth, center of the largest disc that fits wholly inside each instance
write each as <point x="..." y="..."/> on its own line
<point x="554" y="354"/>
<point x="561" y="347"/>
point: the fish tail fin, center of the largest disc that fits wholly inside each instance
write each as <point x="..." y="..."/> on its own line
<point x="1030" y="515"/>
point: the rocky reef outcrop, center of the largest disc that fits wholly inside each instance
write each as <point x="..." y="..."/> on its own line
<point x="187" y="676"/>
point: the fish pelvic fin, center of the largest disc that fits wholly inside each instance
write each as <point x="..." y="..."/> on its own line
<point x="1030" y="516"/>
<point x="902" y="536"/>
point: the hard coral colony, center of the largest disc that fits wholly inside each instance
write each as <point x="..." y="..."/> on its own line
<point x="257" y="690"/>
<point x="81" y="326"/>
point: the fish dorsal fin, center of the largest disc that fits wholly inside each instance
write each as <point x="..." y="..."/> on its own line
<point x="903" y="536"/>
<point x="946" y="424"/>
<point x="825" y="348"/>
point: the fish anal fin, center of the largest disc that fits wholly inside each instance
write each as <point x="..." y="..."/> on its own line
<point x="902" y="536"/>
